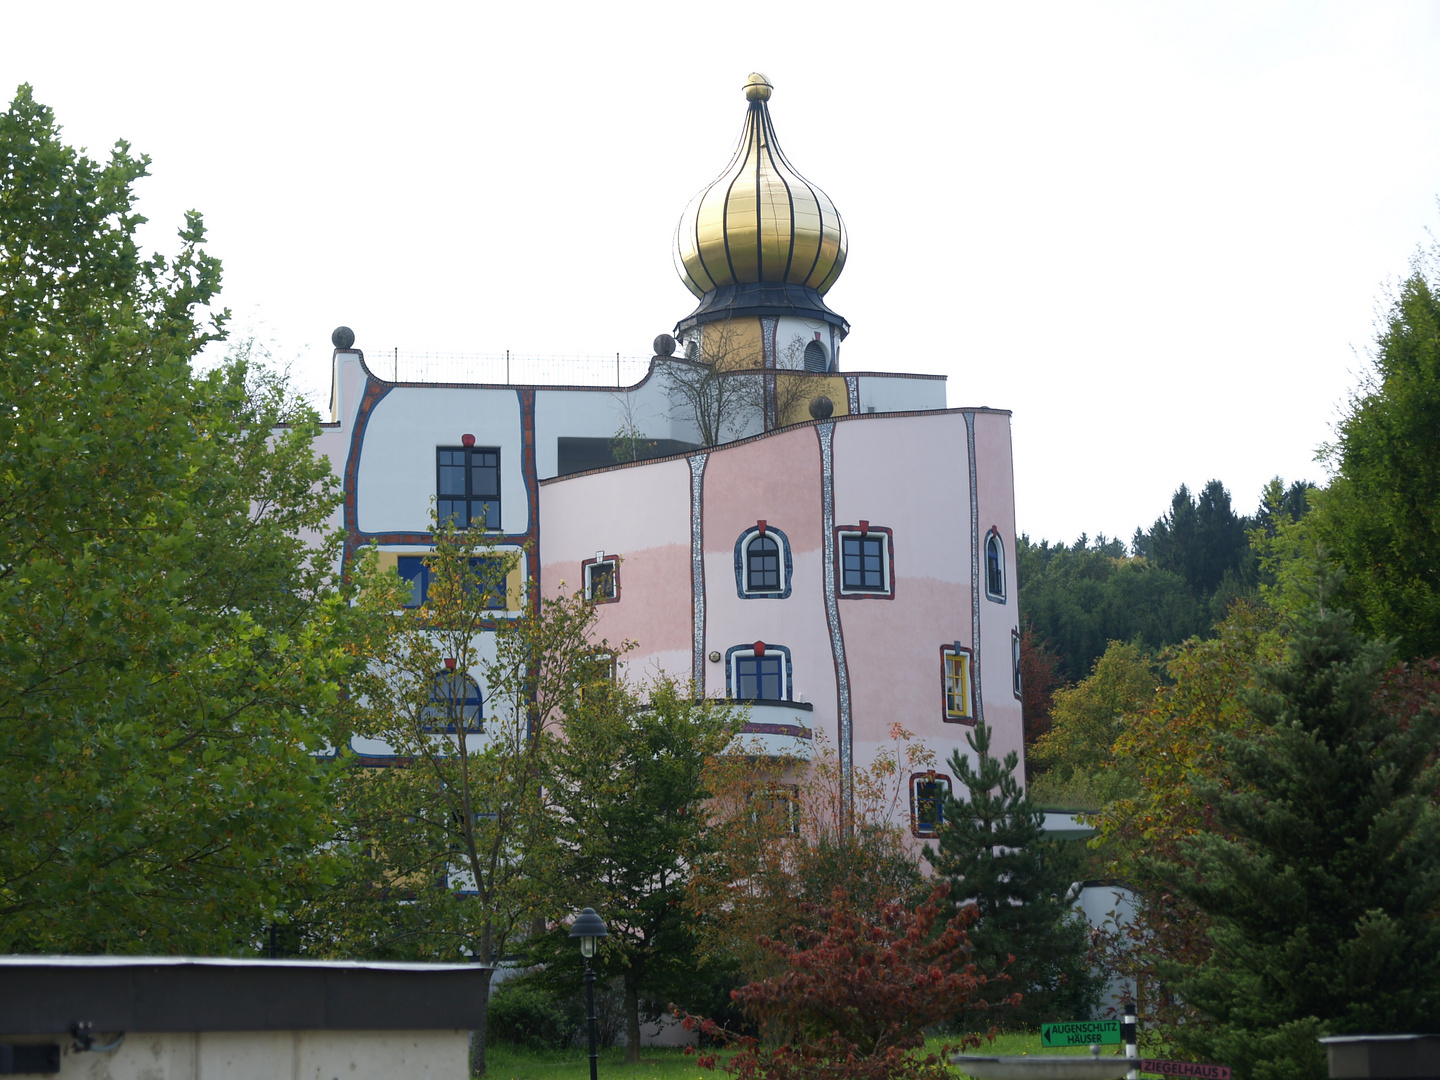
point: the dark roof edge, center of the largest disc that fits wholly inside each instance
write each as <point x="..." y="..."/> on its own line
<point x="45" y="995"/>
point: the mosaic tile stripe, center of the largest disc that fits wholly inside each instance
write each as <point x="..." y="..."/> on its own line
<point x="697" y="568"/>
<point x="852" y="393"/>
<point x="974" y="570"/>
<point x="825" y="431"/>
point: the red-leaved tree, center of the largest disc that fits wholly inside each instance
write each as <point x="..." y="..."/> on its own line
<point x="1039" y="679"/>
<point x="855" y="998"/>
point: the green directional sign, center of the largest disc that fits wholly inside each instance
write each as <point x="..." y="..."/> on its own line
<point x="1080" y="1033"/>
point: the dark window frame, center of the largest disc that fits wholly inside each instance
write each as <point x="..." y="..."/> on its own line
<point x="947" y="653"/>
<point x="1015" y="657"/>
<point x="444" y="501"/>
<point x="743" y="587"/>
<point x="863" y="532"/>
<point x="994" y="566"/>
<point x="498" y="601"/>
<point x="738" y="653"/>
<point x="588" y="570"/>
<point x="941" y="787"/>
<point x="449" y="678"/>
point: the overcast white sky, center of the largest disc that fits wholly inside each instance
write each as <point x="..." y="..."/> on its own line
<point x="1156" y="232"/>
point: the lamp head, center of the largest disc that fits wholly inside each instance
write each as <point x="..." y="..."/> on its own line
<point x="589" y="928"/>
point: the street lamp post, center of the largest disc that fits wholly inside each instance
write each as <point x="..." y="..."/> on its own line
<point x="589" y="928"/>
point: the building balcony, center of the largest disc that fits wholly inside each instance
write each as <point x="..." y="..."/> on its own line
<point x="775" y="729"/>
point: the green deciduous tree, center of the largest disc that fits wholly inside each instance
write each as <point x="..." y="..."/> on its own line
<point x="1077" y="753"/>
<point x="1380" y="516"/>
<point x="626" y="792"/>
<point x="1321" y="876"/>
<point x="456" y="836"/>
<point x="170" y="650"/>
<point x="993" y="850"/>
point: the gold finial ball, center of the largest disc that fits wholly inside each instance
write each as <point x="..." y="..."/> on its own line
<point x="757" y="87"/>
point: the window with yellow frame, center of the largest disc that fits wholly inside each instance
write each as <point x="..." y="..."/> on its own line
<point x="958" y="692"/>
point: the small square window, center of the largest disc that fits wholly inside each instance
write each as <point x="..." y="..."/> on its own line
<point x="602" y="578"/>
<point x="866" y="561"/>
<point x="957" y="688"/>
<point x="928" y="792"/>
<point x="776" y="807"/>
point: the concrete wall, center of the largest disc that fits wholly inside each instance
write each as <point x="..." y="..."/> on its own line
<point x="273" y="1055"/>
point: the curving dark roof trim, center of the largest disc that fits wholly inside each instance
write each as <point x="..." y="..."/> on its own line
<point x="762" y="298"/>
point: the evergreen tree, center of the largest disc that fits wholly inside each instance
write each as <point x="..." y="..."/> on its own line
<point x="995" y="855"/>
<point x="1321" y="873"/>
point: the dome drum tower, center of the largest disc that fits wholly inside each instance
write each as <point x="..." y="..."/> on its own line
<point x="760" y="247"/>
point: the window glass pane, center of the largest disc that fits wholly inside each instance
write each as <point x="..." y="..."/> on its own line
<point x="486" y="511"/>
<point x="453" y="508"/>
<point x="957" y="685"/>
<point x="930" y="804"/>
<point x="995" y="576"/>
<point x="451" y="480"/>
<point x="412" y="569"/>
<point x="862" y="562"/>
<point x="759" y="677"/>
<point x="489" y="577"/>
<point x="602" y="581"/>
<point x="484" y="479"/>
<point x="763" y="569"/>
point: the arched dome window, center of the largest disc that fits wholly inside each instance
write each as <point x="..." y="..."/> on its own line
<point x="455" y="704"/>
<point x="994" y="567"/>
<point x="816" y="359"/>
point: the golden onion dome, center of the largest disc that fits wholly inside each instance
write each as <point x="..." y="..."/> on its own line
<point x="760" y="221"/>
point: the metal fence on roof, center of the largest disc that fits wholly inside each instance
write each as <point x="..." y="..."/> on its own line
<point x="507" y="368"/>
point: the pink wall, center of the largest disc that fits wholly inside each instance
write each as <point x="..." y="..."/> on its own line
<point x="777" y="479"/>
<point x="910" y="474"/>
<point x="641" y="513"/>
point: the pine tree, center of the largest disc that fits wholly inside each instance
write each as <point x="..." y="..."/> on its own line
<point x="996" y="856"/>
<point x="1322" y="875"/>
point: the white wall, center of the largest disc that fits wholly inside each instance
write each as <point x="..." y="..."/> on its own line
<point x="274" y="1055"/>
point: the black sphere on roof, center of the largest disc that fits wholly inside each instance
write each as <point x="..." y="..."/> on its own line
<point x="343" y="337"/>
<point x="821" y="407"/>
<point x="664" y="345"/>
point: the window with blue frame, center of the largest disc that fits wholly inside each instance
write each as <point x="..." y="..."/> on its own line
<point x="928" y="792"/>
<point x="467" y="485"/>
<point x="418" y="573"/>
<point x="454" y="705"/>
<point x="760" y="678"/>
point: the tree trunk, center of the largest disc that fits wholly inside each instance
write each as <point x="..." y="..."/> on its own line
<point x="477" y="1037"/>
<point x="632" y="1021"/>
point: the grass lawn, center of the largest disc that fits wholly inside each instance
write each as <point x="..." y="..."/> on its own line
<point x="508" y="1063"/>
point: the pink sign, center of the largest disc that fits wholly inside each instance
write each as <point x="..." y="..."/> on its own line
<point x="1185" y="1068"/>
